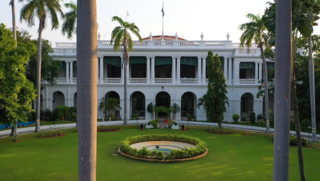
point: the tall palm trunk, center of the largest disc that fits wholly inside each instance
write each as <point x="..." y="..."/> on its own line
<point x="87" y="88"/>
<point x="38" y="106"/>
<point x="266" y="88"/>
<point x="125" y="64"/>
<point x="294" y="108"/>
<point x="282" y="92"/>
<point x="14" y="131"/>
<point x="312" y="92"/>
<point x="14" y="27"/>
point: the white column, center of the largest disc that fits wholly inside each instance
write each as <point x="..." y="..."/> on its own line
<point x="101" y="69"/>
<point x="178" y="70"/>
<point x="260" y="70"/>
<point x="204" y="70"/>
<point x="256" y="73"/>
<point x="152" y="69"/>
<point x="98" y="72"/>
<point x="236" y="71"/>
<point x="173" y="69"/>
<point x="225" y="68"/>
<point x="148" y="71"/>
<point x="122" y="70"/>
<point x="67" y="72"/>
<point x="230" y="70"/>
<point x="71" y="72"/>
<point x="199" y="70"/>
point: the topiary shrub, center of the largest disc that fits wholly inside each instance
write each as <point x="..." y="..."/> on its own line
<point x="253" y="118"/>
<point x="261" y="121"/>
<point x="235" y="118"/>
<point x="154" y="123"/>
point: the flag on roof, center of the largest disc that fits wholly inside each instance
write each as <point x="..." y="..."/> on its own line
<point x="162" y="10"/>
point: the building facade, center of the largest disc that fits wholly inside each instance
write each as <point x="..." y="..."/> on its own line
<point x="163" y="72"/>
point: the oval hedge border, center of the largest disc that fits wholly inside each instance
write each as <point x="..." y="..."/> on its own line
<point x="186" y="154"/>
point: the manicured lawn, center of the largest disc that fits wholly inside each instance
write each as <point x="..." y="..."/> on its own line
<point x="231" y="157"/>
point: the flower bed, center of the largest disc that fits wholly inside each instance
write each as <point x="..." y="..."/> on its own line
<point x="219" y="132"/>
<point x="51" y="136"/>
<point x="174" y="155"/>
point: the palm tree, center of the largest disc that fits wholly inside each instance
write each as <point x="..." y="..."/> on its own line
<point x="87" y="88"/>
<point x="255" y="31"/>
<point x="283" y="64"/>
<point x="120" y="36"/>
<point x="110" y="104"/>
<point x="41" y="9"/>
<point x="69" y="20"/>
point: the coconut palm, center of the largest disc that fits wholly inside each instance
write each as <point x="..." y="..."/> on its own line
<point x="255" y="30"/>
<point x="69" y="20"/>
<point x="41" y="9"/>
<point x="120" y="36"/>
<point x="87" y="88"/>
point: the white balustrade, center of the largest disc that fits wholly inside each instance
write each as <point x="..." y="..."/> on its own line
<point x="65" y="45"/>
<point x="247" y="81"/>
<point x="112" y="80"/>
<point x="163" y="43"/>
<point x="61" y="80"/>
<point x="189" y="80"/>
<point x="137" y="80"/>
<point x="214" y="43"/>
<point x="163" y="80"/>
<point x="247" y="52"/>
<point x="189" y="43"/>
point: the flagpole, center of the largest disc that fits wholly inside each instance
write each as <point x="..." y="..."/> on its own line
<point x="162" y="20"/>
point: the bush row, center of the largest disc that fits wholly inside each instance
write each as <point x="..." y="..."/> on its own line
<point x="60" y="113"/>
<point x="173" y="154"/>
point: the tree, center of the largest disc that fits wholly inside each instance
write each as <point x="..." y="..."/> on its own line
<point x="216" y="97"/>
<point x="41" y="9"/>
<point x="283" y="53"/>
<point x="87" y="88"/>
<point x="69" y="20"/>
<point x="49" y="67"/>
<point x="109" y="105"/>
<point x="16" y="92"/>
<point x="120" y="36"/>
<point x="254" y="30"/>
<point x="175" y="109"/>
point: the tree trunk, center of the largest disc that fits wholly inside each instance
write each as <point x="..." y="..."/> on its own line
<point x="282" y="92"/>
<point x="14" y="27"/>
<point x="266" y="89"/>
<point x="294" y="108"/>
<point x="87" y="88"/>
<point x="312" y="92"/>
<point x="125" y="64"/>
<point x="38" y="106"/>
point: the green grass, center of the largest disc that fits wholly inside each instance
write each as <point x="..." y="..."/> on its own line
<point x="231" y="157"/>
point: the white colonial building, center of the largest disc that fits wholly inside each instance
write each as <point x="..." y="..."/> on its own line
<point x="163" y="72"/>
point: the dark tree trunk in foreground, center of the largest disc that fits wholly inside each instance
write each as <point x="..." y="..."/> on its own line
<point x="282" y="92"/>
<point x="87" y="88"/>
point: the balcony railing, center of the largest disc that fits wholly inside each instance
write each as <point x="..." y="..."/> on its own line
<point x="163" y="80"/>
<point x="137" y="80"/>
<point x="189" y="81"/>
<point x="247" y="81"/>
<point x="112" y="80"/>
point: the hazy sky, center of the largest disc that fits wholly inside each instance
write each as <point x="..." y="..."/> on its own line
<point x="189" y="18"/>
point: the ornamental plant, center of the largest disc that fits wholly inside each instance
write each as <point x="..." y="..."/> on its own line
<point x="235" y="118"/>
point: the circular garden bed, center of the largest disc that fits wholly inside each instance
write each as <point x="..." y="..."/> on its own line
<point x="197" y="149"/>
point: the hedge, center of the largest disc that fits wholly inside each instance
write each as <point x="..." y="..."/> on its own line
<point x="201" y="146"/>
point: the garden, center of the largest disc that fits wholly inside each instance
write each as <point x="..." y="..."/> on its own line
<point x="233" y="156"/>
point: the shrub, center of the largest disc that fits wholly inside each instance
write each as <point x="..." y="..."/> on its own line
<point x="192" y="117"/>
<point x="304" y="125"/>
<point x="134" y="116"/>
<point x="154" y="123"/>
<point x="62" y="112"/>
<point x="73" y="113"/>
<point x="235" y="118"/>
<point x="113" y="118"/>
<point x="253" y="118"/>
<point x="260" y="116"/>
<point x="261" y="121"/>
<point x="293" y="141"/>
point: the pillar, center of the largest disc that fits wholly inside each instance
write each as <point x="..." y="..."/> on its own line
<point x="256" y="73"/>
<point x="152" y="69"/>
<point x="230" y="71"/>
<point x="260" y="70"/>
<point x="148" y="70"/>
<point x="101" y="69"/>
<point x="71" y="72"/>
<point x="173" y="69"/>
<point x="122" y="70"/>
<point x="225" y="70"/>
<point x="178" y="70"/>
<point x="67" y="72"/>
<point x="204" y="70"/>
<point x="199" y="70"/>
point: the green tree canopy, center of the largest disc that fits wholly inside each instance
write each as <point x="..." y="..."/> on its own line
<point x="16" y="92"/>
